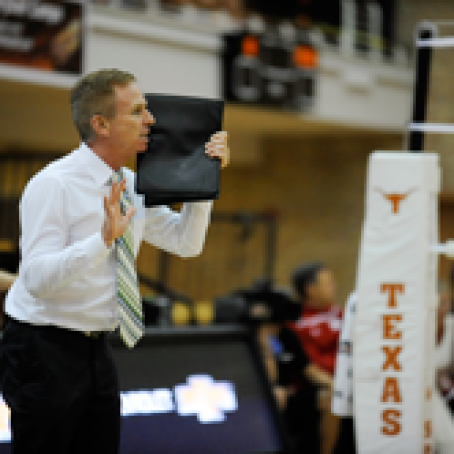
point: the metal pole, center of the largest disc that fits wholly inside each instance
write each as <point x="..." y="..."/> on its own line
<point x="426" y="30"/>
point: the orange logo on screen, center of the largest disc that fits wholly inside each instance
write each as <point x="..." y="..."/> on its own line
<point x="202" y="394"/>
<point x="395" y="198"/>
<point x="205" y="398"/>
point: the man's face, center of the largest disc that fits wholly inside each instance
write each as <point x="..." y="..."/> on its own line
<point x="324" y="289"/>
<point x="128" y="130"/>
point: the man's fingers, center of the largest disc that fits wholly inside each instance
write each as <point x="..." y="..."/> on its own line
<point x="218" y="138"/>
<point x="130" y="213"/>
<point x="220" y="135"/>
<point x="216" y="142"/>
<point x="217" y="147"/>
<point x="110" y="211"/>
<point x="214" y="149"/>
<point x="219" y="151"/>
<point x="116" y="223"/>
<point x="224" y="160"/>
<point x="112" y="193"/>
<point x="116" y="191"/>
<point x="121" y="189"/>
<point x="107" y="206"/>
<point x="127" y="219"/>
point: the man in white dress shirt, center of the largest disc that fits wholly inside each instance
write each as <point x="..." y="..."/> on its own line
<point x="59" y="377"/>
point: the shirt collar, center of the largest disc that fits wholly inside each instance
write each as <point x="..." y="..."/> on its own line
<point x="94" y="165"/>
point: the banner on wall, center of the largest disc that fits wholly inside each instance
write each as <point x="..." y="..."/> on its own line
<point x="41" y="37"/>
<point x="394" y="334"/>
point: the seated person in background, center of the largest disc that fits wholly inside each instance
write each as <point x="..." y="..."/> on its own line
<point x="300" y="384"/>
<point x="318" y="331"/>
<point x="269" y="308"/>
<point x="288" y="367"/>
<point x="293" y="372"/>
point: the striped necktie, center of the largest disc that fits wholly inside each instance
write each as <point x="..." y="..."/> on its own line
<point x="129" y="302"/>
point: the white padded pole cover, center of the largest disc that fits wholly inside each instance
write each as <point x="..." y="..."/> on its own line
<point x="394" y="335"/>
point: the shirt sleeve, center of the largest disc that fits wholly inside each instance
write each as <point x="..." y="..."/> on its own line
<point x="180" y="233"/>
<point x="49" y="263"/>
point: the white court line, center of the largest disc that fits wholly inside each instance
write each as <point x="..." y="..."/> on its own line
<point x="436" y="42"/>
<point x="432" y="127"/>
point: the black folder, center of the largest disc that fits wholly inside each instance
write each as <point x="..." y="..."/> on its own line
<point x="175" y="167"/>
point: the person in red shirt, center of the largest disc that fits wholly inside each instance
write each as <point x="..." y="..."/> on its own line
<point x="319" y="325"/>
<point x="318" y="331"/>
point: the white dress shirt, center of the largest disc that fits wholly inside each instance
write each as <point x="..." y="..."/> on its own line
<point x="67" y="275"/>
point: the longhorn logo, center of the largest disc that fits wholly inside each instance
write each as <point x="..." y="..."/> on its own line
<point x="395" y="198"/>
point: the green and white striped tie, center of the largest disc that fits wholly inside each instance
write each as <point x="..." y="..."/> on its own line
<point x="129" y="302"/>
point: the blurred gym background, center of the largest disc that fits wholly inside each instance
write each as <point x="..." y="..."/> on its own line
<point x="311" y="89"/>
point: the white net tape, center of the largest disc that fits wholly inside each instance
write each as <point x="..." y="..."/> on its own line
<point x="442" y="128"/>
<point x="436" y="42"/>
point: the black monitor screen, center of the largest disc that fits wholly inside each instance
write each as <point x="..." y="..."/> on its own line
<point x="193" y="391"/>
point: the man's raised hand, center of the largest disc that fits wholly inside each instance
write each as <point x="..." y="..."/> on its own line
<point x="218" y="147"/>
<point x="115" y="223"/>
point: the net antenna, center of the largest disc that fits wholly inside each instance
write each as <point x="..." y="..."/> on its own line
<point x="426" y="38"/>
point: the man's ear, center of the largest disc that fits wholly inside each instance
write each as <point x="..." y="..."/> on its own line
<point x="100" y="125"/>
